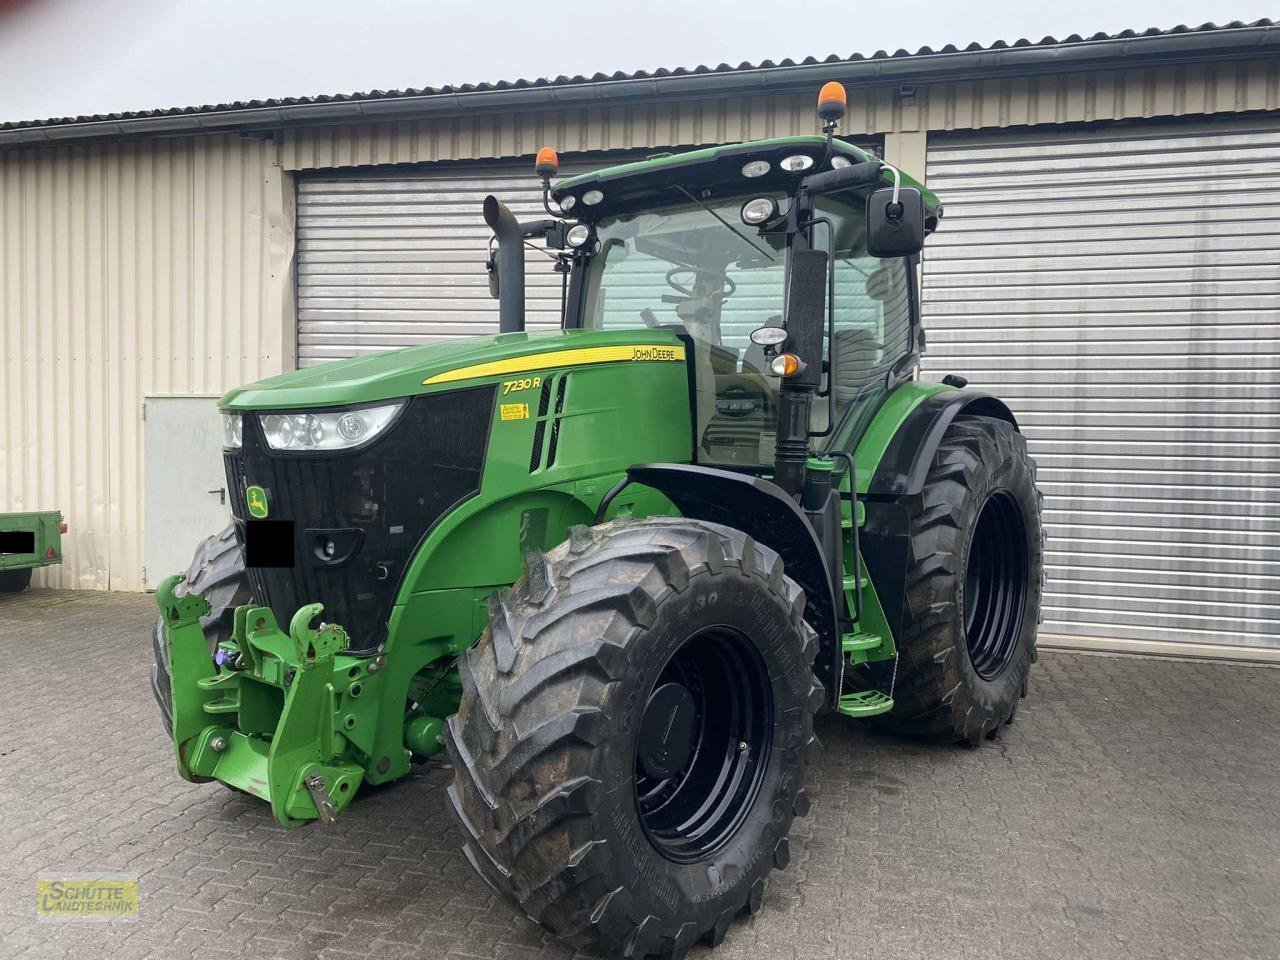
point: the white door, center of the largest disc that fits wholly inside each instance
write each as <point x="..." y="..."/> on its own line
<point x="1118" y="286"/>
<point x="185" y="481"/>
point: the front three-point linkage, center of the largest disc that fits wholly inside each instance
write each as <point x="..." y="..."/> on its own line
<point x="263" y="718"/>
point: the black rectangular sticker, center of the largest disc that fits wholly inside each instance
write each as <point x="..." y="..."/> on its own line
<point x="17" y="541"/>
<point x="268" y="543"/>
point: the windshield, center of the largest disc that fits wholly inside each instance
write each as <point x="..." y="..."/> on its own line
<point x="689" y="265"/>
<point x="695" y="265"/>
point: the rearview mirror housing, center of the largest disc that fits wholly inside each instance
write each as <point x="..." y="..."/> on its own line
<point x="895" y="229"/>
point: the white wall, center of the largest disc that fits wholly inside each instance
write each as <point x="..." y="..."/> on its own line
<point x="129" y="270"/>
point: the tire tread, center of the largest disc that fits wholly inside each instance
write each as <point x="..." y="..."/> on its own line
<point x="557" y="646"/>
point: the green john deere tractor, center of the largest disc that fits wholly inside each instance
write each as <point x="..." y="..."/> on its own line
<point x="616" y="569"/>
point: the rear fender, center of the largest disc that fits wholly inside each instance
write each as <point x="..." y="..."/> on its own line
<point x="899" y="473"/>
<point x="903" y="467"/>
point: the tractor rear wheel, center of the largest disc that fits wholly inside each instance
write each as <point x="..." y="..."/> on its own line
<point x="15" y="581"/>
<point x="635" y="724"/>
<point x="217" y="574"/>
<point x="973" y="587"/>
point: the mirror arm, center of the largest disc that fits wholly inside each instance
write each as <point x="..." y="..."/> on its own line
<point x="897" y="189"/>
<point x="830" y="394"/>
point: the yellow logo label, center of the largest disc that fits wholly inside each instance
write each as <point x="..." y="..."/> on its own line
<point x="514" y="411"/>
<point x="654" y="353"/>
<point x="87" y="899"/>
<point x="256" y="499"/>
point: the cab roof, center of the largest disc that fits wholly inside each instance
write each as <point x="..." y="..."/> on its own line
<point x="625" y="184"/>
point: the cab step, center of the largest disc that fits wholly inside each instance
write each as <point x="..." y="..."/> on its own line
<point x="865" y="703"/>
<point x="851" y="642"/>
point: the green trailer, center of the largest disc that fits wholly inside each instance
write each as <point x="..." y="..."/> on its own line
<point x="616" y="569"/>
<point x="28" y="541"/>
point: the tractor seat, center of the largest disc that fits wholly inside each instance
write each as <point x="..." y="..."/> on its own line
<point x="856" y="354"/>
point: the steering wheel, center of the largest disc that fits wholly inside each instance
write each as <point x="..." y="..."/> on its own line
<point x="728" y="287"/>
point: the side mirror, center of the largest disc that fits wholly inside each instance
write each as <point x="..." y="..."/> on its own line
<point x="895" y="229"/>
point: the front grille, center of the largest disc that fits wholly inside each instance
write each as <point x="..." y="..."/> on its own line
<point x="386" y="496"/>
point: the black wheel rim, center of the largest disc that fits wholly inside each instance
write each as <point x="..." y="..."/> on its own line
<point x="995" y="585"/>
<point x="714" y="704"/>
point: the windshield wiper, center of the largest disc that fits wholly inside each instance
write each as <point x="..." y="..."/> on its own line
<point x="736" y="232"/>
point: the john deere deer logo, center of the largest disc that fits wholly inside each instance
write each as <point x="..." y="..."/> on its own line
<point x="256" y="498"/>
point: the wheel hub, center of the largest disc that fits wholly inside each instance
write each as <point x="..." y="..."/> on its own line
<point x="666" y="730"/>
<point x="703" y="744"/>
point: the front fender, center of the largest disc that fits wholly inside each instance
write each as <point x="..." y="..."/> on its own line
<point x="764" y="512"/>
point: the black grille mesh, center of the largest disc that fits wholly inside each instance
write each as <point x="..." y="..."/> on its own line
<point x="555" y="423"/>
<point x="391" y="493"/>
<point x="535" y="456"/>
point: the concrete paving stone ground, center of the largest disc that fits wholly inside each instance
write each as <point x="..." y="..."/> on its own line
<point x="1132" y="811"/>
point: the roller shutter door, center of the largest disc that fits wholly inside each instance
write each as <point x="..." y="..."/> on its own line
<point x="1119" y="288"/>
<point x="394" y="259"/>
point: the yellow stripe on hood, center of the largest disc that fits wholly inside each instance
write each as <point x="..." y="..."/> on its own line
<point x="577" y="357"/>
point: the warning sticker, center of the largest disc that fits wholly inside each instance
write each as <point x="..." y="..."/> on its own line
<point x="514" y="411"/>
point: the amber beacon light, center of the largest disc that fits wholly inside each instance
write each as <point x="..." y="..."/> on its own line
<point x="547" y="163"/>
<point x="832" y="102"/>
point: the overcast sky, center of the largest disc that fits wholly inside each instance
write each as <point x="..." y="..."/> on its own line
<point x="69" y="57"/>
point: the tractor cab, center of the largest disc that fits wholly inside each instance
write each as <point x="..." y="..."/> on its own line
<point x="711" y="269"/>
<point x="787" y="267"/>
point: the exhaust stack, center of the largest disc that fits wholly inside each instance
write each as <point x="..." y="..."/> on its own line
<point x="509" y="263"/>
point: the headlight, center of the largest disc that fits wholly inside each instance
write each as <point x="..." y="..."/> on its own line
<point x="592" y="197"/>
<point x="577" y="235"/>
<point x="232" y="431"/>
<point x="327" y="430"/>
<point x="566" y="203"/>
<point x="755" y="168"/>
<point x="839" y="162"/>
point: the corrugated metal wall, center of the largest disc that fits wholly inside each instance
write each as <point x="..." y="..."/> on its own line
<point x="1118" y="287"/>
<point x="160" y="267"/>
<point x="163" y="266"/>
<point x="1173" y="91"/>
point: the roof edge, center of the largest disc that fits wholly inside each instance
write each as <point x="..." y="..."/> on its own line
<point x="1179" y="45"/>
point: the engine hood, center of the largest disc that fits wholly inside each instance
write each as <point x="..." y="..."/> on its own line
<point x="446" y="365"/>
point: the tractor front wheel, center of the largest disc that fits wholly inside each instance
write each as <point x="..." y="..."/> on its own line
<point x="635" y="725"/>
